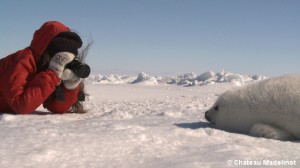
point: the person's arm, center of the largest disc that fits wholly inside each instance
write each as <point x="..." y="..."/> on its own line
<point x="69" y="87"/>
<point x="62" y="106"/>
<point x="24" y="90"/>
<point x="25" y="96"/>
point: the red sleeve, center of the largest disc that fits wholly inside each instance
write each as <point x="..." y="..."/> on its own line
<point x="24" y="90"/>
<point x="59" y="106"/>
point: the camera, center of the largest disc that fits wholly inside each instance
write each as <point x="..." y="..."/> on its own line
<point x="80" y="69"/>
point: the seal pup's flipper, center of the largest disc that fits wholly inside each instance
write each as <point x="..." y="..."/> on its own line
<point x="268" y="131"/>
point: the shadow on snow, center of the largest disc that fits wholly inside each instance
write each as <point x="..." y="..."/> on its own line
<point x="195" y="125"/>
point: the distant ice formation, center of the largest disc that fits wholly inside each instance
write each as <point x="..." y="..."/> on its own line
<point x="188" y="79"/>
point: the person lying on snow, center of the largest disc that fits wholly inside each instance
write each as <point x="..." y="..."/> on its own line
<point x="37" y="75"/>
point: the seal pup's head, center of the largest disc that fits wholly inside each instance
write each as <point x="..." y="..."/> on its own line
<point x="230" y="112"/>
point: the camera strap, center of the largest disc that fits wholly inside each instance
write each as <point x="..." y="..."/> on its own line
<point x="81" y="96"/>
<point x="59" y="93"/>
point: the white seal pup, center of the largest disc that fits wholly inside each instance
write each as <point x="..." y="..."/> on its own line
<point x="268" y="108"/>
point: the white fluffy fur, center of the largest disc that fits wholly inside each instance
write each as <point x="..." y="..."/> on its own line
<point x="269" y="108"/>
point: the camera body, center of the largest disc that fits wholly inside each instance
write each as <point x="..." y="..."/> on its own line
<point x="80" y="69"/>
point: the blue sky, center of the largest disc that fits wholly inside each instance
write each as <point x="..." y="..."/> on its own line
<point x="172" y="37"/>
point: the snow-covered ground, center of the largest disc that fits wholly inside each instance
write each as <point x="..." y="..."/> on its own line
<point x="146" y="124"/>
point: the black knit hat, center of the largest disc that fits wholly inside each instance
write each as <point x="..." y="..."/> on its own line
<point x="65" y="42"/>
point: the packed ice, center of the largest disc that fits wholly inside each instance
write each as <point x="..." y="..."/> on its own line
<point x="187" y="79"/>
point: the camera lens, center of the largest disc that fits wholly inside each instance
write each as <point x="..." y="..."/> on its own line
<point x="82" y="71"/>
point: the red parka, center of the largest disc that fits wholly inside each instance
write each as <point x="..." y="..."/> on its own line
<point x="22" y="89"/>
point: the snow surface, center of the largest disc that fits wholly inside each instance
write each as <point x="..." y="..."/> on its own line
<point x="146" y="124"/>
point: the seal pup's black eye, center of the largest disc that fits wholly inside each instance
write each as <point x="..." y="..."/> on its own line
<point x="217" y="108"/>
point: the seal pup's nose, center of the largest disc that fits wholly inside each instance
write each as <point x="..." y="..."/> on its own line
<point x="207" y="117"/>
